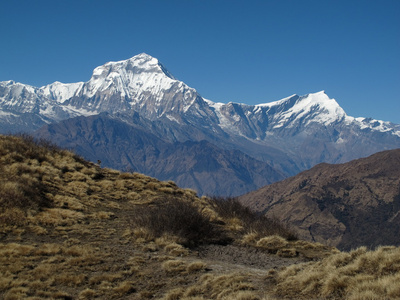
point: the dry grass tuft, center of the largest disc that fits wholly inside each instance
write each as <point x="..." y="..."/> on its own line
<point x="142" y="234"/>
<point x="87" y="294"/>
<point x="174" y="267"/>
<point x="177" y="266"/>
<point x="272" y="243"/>
<point x="176" y="249"/>
<point x="196" y="266"/>
<point x="58" y="217"/>
<point x="225" y="286"/>
<point x="125" y="288"/>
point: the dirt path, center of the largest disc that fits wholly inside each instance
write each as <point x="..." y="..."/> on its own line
<point x="245" y="256"/>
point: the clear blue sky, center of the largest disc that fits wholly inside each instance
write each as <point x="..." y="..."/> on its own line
<point x="241" y="51"/>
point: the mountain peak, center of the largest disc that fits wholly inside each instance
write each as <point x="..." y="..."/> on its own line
<point x="142" y="62"/>
<point x="329" y="110"/>
<point x="144" y="56"/>
<point x="141" y="59"/>
<point x="313" y="107"/>
<point x="129" y="76"/>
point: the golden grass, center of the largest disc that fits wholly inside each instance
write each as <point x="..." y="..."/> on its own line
<point x="102" y="215"/>
<point x="58" y="217"/>
<point x="68" y="202"/>
<point x="176" y="249"/>
<point x="87" y="294"/>
<point x="273" y="243"/>
<point x="67" y="232"/>
<point x="351" y="275"/>
<point x="221" y="287"/>
<point x="196" y="266"/>
<point x="234" y="224"/>
<point x="173" y="267"/>
<point x="124" y="288"/>
<point x="225" y="286"/>
<point x="142" y="235"/>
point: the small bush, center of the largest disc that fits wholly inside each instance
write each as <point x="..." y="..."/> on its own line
<point x="179" y="218"/>
<point x="22" y="193"/>
<point x="252" y="222"/>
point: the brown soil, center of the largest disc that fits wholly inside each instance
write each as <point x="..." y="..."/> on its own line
<point x="244" y="257"/>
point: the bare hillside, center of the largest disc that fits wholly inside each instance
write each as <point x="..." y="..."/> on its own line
<point x="346" y="205"/>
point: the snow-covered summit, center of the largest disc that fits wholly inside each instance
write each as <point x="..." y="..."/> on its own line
<point x="314" y="107"/>
<point x="129" y="77"/>
<point x="136" y="64"/>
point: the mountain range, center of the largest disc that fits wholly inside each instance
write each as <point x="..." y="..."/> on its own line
<point x="135" y="115"/>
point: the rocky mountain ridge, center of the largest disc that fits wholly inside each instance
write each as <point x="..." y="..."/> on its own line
<point x="345" y="205"/>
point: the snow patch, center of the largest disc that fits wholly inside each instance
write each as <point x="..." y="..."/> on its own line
<point x="172" y="118"/>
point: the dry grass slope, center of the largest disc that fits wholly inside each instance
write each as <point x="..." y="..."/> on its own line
<point x="359" y="274"/>
<point x="72" y="230"/>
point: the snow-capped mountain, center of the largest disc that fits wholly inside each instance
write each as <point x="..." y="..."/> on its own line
<point x="291" y="134"/>
<point x="290" y="113"/>
<point x="142" y="84"/>
<point x="24" y="108"/>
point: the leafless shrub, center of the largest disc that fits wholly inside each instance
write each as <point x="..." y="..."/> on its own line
<point x="179" y="218"/>
<point x="252" y="222"/>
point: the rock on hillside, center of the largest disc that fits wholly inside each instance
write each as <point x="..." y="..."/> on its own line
<point x="345" y="205"/>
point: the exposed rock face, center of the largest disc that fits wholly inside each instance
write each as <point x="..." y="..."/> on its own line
<point x="346" y="205"/>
